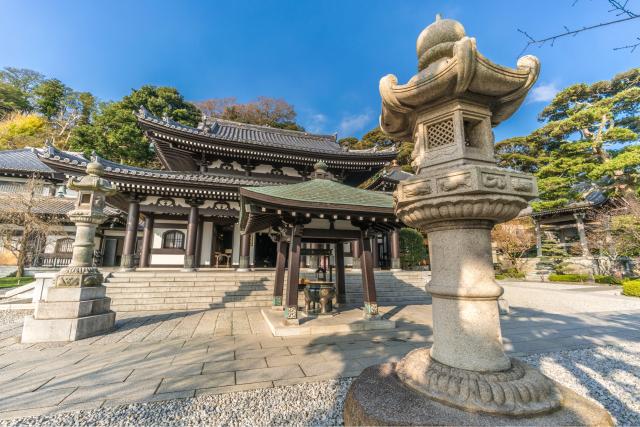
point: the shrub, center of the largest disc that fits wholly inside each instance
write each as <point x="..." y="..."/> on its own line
<point x="412" y="248"/>
<point x="631" y="288"/>
<point x="609" y="280"/>
<point x="568" y="278"/>
<point x="514" y="274"/>
<point x="500" y="276"/>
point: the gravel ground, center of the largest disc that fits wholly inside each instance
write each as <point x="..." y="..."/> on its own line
<point x="8" y="317"/>
<point x="610" y="375"/>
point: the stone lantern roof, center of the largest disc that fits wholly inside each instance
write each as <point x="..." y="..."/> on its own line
<point x="451" y="67"/>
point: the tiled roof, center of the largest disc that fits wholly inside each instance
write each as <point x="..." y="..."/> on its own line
<point x="59" y="156"/>
<point x="266" y="136"/>
<point x="22" y="160"/>
<point x="50" y="205"/>
<point x="393" y="175"/>
<point x="324" y="192"/>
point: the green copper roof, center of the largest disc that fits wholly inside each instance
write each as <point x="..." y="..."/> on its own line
<point x="327" y="192"/>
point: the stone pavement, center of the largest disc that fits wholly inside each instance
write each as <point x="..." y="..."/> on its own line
<point x="156" y="356"/>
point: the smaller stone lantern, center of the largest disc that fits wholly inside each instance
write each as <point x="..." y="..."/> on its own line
<point x="76" y="306"/>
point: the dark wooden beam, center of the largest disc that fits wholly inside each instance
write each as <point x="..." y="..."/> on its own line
<point x="131" y="235"/>
<point x="368" y="278"/>
<point x="192" y="231"/>
<point x="318" y="233"/>
<point x="147" y="241"/>
<point x="281" y="259"/>
<point x="293" y="278"/>
<point x="340" y="274"/>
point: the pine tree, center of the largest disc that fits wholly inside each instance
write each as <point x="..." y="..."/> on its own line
<point x="589" y="137"/>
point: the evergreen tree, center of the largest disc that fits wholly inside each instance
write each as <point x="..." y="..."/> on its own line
<point x="589" y="137"/>
<point x="553" y="254"/>
<point x="114" y="132"/>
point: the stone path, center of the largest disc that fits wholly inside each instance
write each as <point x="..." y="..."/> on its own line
<point x="157" y="356"/>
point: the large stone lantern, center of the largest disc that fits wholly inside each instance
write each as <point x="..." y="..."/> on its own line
<point x="76" y="306"/>
<point x="458" y="195"/>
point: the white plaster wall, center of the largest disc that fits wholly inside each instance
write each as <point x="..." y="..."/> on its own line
<point x="289" y="171"/>
<point x="167" y="259"/>
<point x="114" y="233"/>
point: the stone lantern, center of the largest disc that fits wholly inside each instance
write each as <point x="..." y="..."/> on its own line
<point x="76" y="306"/>
<point x="449" y="109"/>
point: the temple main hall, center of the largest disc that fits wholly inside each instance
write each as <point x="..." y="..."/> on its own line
<point x="186" y="214"/>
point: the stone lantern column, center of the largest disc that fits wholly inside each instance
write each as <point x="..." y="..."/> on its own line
<point x="457" y="196"/>
<point x="76" y="306"/>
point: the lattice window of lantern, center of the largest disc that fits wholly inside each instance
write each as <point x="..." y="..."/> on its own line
<point x="440" y="134"/>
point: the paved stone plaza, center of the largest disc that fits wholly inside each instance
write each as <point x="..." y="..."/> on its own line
<point x="168" y="355"/>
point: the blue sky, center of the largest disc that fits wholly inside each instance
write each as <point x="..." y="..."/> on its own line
<point x="325" y="56"/>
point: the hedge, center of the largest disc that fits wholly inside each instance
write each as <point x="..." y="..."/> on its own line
<point x="568" y="277"/>
<point x="609" y="280"/>
<point x="631" y="288"/>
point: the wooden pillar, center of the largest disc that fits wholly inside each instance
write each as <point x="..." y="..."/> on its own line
<point x="131" y="234"/>
<point x="355" y="253"/>
<point x="340" y="286"/>
<point x="375" y="252"/>
<point x="293" y="277"/>
<point x="281" y="259"/>
<point x="368" y="278"/>
<point x="538" y="238"/>
<point x="192" y="231"/>
<point x="394" y="243"/>
<point x="245" y="247"/>
<point x="199" y="236"/>
<point x="147" y="241"/>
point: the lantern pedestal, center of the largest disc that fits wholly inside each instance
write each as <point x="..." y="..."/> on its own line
<point x="379" y="398"/>
<point x="70" y="314"/>
<point x="76" y="306"/>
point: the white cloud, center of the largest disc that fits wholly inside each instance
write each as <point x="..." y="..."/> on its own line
<point x="315" y="123"/>
<point x="543" y="92"/>
<point x="351" y="124"/>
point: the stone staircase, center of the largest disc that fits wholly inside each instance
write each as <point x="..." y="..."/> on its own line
<point x="392" y="288"/>
<point x="172" y="290"/>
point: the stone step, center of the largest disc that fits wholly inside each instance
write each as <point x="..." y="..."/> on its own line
<point x="172" y="290"/>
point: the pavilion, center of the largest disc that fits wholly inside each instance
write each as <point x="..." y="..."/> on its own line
<point x="321" y="211"/>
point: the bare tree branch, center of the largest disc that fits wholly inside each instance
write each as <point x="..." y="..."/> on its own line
<point x="618" y="6"/>
<point x="632" y="47"/>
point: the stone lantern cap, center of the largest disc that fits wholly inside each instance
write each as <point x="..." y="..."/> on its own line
<point x="93" y="181"/>
<point x="450" y="67"/>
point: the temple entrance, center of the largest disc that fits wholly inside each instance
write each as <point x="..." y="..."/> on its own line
<point x="265" y="251"/>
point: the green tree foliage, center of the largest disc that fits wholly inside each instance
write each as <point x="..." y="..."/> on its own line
<point x="12" y="99"/>
<point x="348" y="142"/>
<point x="263" y="110"/>
<point x="376" y="138"/>
<point x="113" y="132"/>
<point x="412" y="248"/>
<point x="22" y="79"/>
<point x="589" y="137"/>
<point x="553" y="254"/>
<point x="19" y="130"/>
<point x="50" y="97"/>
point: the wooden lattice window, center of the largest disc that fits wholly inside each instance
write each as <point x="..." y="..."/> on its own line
<point x="173" y="239"/>
<point x="64" y="245"/>
<point x="440" y="134"/>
